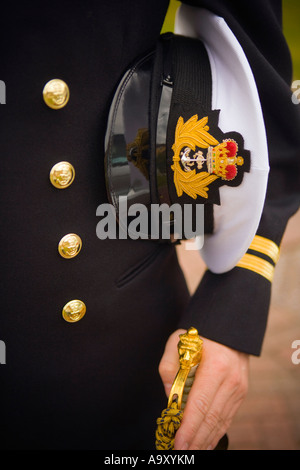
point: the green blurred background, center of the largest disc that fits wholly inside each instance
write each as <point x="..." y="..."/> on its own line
<point x="291" y="28"/>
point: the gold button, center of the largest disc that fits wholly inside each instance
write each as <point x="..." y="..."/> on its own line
<point x="74" y="311"/>
<point x="69" y="246"/>
<point x="56" y="94"/>
<point x="62" y="175"/>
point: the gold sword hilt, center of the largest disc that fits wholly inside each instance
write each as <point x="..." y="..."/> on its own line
<point x="190" y="353"/>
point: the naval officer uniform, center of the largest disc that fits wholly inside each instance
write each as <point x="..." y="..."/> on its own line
<point x="85" y="321"/>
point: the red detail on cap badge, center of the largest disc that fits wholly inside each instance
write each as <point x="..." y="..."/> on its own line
<point x="221" y="159"/>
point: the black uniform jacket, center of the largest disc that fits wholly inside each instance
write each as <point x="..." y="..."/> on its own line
<point x="93" y="384"/>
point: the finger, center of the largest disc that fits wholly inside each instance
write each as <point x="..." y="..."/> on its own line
<point x="169" y="364"/>
<point x="216" y="421"/>
<point x="220" y="430"/>
<point x="239" y="388"/>
<point x="230" y="395"/>
<point x="229" y="410"/>
<point x="202" y="394"/>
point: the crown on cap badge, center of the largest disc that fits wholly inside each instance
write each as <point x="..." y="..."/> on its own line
<point x="195" y="169"/>
<point x="222" y="160"/>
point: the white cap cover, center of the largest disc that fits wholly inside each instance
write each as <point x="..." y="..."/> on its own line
<point x="234" y="92"/>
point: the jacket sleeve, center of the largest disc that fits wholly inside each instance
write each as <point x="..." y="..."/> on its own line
<point x="232" y="307"/>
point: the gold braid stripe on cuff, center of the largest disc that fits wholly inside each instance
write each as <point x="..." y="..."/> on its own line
<point x="258" y="265"/>
<point x="265" y="246"/>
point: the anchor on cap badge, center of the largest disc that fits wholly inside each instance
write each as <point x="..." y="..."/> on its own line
<point x="200" y="159"/>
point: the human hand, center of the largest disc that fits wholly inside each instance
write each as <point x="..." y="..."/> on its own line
<point x="219" y="388"/>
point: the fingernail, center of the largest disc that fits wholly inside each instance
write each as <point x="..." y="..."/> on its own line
<point x="184" y="446"/>
<point x="209" y="448"/>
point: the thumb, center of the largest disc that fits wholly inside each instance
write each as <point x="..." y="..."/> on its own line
<point x="169" y="364"/>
